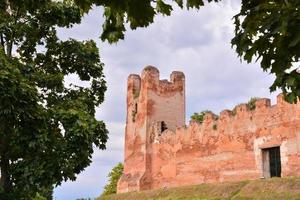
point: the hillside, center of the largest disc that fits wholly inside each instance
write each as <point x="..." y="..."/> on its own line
<point x="270" y="189"/>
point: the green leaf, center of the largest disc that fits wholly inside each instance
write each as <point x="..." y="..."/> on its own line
<point x="179" y="3"/>
<point x="271" y="32"/>
<point x="194" y="4"/>
<point x="291" y="98"/>
<point x="291" y="81"/>
<point x="163" y="8"/>
<point x="113" y="176"/>
<point x="295" y="40"/>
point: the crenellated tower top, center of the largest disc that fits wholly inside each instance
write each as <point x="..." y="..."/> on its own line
<point x="151" y="100"/>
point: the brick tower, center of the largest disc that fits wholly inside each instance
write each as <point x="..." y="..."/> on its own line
<point x="153" y="106"/>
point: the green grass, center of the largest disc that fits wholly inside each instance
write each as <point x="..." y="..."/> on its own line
<point x="270" y="189"/>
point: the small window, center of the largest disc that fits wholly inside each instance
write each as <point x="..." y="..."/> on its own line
<point x="163" y="126"/>
<point x="134" y="112"/>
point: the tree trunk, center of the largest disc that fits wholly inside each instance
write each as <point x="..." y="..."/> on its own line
<point x="4" y="165"/>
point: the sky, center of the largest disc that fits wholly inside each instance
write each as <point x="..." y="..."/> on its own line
<point x="195" y="42"/>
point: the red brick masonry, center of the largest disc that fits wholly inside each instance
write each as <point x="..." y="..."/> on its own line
<point x="229" y="148"/>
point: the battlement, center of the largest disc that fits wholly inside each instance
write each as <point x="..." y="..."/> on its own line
<point x="150" y="79"/>
<point x="161" y="151"/>
<point x="151" y="73"/>
<point x="242" y="111"/>
<point x="152" y="99"/>
<point x="263" y="115"/>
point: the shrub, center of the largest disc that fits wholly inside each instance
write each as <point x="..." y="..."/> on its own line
<point x="114" y="176"/>
<point x="199" y="117"/>
<point x="215" y="127"/>
<point x="250" y="105"/>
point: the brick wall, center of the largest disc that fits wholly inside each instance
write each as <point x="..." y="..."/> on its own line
<point x="225" y="149"/>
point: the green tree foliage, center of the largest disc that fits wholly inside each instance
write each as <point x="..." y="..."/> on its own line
<point x="46" y="193"/>
<point x="113" y="178"/>
<point x="137" y="13"/>
<point x="38" y="197"/>
<point x="269" y="31"/>
<point x="199" y="117"/>
<point x="47" y="129"/>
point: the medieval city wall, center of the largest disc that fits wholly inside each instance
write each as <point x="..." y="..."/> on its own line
<point x="227" y="148"/>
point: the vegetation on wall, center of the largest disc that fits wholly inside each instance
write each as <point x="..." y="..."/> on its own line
<point x="199" y="117"/>
<point x="215" y="127"/>
<point x="250" y="105"/>
<point x="136" y="94"/>
<point x="113" y="178"/>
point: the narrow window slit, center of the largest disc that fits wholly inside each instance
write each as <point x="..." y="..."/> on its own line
<point x="163" y="126"/>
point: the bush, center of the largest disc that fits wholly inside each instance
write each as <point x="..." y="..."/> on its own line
<point x="199" y="117"/>
<point x="114" y="176"/>
<point x="250" y="105"/>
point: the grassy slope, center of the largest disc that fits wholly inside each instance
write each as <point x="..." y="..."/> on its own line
<point x="271" y="189"/>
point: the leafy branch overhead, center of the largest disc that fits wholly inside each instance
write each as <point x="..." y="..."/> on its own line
<point x="267" y="31"/>
<point x="137" y="13"/>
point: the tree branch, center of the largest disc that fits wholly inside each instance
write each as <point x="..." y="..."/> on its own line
<point x="2" y="42"/>
<point x="4" y="165"/>
<point x="9" y="48"/>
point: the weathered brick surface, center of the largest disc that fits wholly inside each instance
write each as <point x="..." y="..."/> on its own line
<point x="225" y="149"/>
